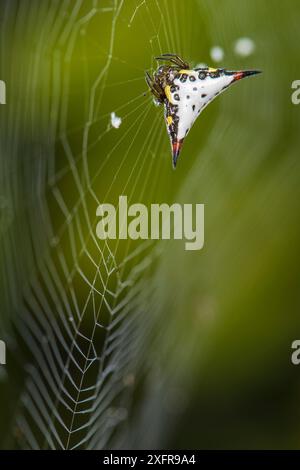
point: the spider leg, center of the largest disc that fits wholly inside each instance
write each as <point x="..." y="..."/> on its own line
<point x="148" y="79"/>
<point x="175" y="59"/>
<point x="151" y="84"/>
<point x="154" y="88"/>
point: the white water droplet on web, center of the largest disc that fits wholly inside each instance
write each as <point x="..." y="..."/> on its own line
<point x="115" y="120"/>
<point x="244" y="47"/>
<point x="217" y="54"/>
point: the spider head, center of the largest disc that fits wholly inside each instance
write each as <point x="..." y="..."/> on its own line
<point x="161" y="73"/>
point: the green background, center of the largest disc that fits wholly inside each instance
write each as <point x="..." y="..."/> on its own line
<point x="215" y="371"/>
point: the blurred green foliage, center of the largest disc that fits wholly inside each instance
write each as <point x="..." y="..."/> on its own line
<point x="220" y="360"/>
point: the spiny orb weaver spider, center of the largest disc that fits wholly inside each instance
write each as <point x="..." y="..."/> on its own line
<point x="185" y="92"/>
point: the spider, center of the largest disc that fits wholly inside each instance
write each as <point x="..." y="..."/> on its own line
<point x="185" y="92"/>
<point x="164" y="74"/>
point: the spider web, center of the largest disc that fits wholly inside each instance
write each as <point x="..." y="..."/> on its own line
<point x="86" y="315"/>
